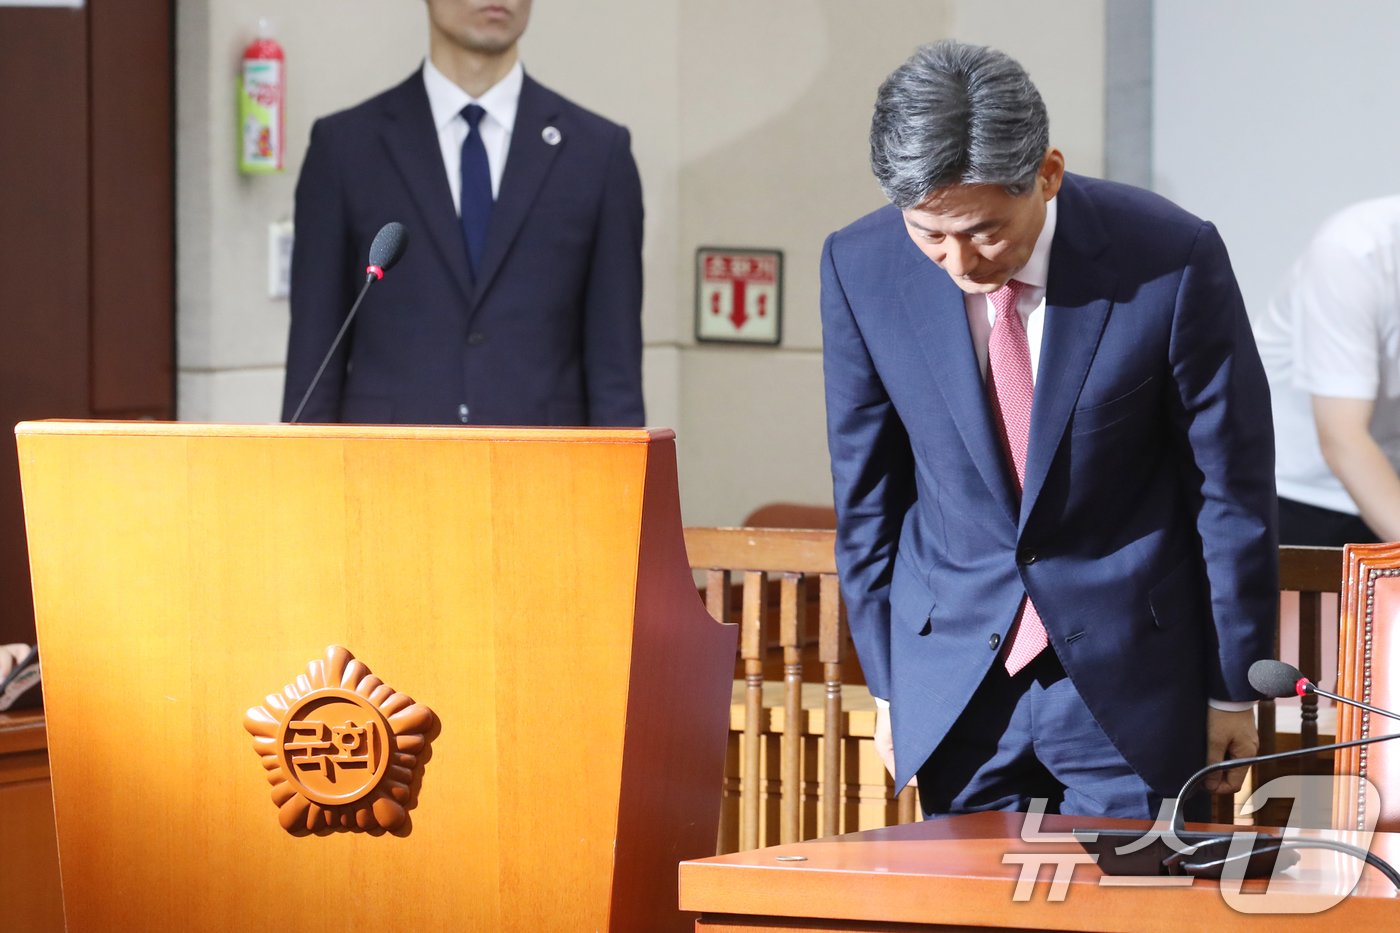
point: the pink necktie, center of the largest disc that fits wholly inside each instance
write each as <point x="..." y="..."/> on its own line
<point x="1012" y="389"/>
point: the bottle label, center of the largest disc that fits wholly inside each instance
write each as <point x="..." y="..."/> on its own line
<point x="260" y="116"/>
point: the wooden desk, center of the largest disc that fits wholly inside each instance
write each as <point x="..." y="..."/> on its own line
<point x="949" y="875"/>
<point x="30" y="896"/>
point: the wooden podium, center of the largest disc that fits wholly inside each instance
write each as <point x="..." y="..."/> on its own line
<point x="242" y="627"/>
<point x="982" y="871"/>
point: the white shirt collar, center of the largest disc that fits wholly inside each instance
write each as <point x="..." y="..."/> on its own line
<point x="1036" y="271"/>
<point x="501" y="100"/>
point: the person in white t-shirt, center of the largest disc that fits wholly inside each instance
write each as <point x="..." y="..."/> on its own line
<point x="1330" y="340"/>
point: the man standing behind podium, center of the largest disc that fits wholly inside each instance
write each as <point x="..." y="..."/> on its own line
<point x="518" y="300"/>
<point x="1052" y="455"/>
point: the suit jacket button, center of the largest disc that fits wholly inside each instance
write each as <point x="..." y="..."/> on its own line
<point x="994" y="642"/>
<point x="1027" y="556"/>
<point x="475" y="337"/>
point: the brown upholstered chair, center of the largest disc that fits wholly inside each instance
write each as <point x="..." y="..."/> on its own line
<point x="1368" y="669"/>
<point x="791" y="515"/>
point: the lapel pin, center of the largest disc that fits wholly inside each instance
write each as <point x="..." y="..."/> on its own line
<point x="551" y="135"/>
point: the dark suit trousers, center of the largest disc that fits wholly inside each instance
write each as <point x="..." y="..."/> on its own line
<point x="1030" y="736"/>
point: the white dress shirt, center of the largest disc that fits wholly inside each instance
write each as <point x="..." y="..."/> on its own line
<point x="500" y="103"/>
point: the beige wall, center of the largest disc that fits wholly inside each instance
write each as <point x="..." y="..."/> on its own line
<point x="231" y="337"/>
<point x="620" y="58"/>
<point x="749" y="122"/>
<point x="774" y="154"/>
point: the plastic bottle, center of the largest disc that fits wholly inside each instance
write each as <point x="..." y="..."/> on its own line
<point x="262" y="92"/>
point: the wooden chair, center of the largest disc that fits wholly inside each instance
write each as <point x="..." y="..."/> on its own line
<point x="1311" y="579"/>
<point x="1368" y="669"/>
<point x="792" y="515"/>
<point x="812" y="720"/>
<point x="1312" y="573"/>
<point x="801" y="724"/>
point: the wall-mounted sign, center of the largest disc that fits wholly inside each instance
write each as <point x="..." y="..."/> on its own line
<point x="327" y="741"/>
<point x="738" y="295"/>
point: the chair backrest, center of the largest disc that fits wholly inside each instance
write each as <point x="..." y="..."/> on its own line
<point x="1314" y="574"/>
<point x="803" y="565"/>
<point x="757" y="575"/>
<point x="1310" y="584"/>
<point x="792" y="515"/>
<point x="1368" y="669"/>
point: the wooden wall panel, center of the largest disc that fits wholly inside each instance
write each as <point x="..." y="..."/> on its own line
<point x="86" y="234"/>
<point x="133" y="208"/>
<point x="44" y="242"/>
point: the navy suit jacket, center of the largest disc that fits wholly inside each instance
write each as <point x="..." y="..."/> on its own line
<point x="1146" y="532"/>
<point x="548" y="333"/>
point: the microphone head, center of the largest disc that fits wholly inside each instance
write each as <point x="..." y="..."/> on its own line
<point x="388" y="246"/>
<point x="1274" y="678"/>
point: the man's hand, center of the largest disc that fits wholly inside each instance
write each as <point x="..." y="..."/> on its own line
<point x="884" y="740"/>
<point x="1228" y="735"/>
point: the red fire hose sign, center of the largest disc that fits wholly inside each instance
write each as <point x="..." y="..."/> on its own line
<point x="738" y="295"/>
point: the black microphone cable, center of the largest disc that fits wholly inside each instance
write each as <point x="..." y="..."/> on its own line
<point x="1179" y="862"/>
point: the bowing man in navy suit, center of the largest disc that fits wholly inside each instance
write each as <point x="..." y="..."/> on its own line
<point x="518" y="300"/>
<point x="1053" y="461"/>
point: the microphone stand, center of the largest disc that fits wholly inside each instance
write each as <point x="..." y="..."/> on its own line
<point x="1276" y="845"/>
<point x="384" y="251"/>
<point x="1307" y="687"/>
<point x="370" y="279"/>
<point x="1178" y="821"/>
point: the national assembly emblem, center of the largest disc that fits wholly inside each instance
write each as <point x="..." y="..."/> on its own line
<point x="340" y="747"/>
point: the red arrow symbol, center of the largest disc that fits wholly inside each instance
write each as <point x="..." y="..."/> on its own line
<point x="738" y="316"/>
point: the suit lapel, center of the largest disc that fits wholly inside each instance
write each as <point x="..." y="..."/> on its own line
<point x="1076" y="309"/>
<point x="528" y="162"/>
<point x="935" y="310"/>
<point x="412" y="141"/>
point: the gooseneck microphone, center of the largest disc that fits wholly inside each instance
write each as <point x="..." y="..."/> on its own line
<point x="1175" y="851"/>
<point x="1277" y="679"/>
<point x="1209" y="854"/>
<point x="386" y="249"/>
<point x="1270" y="674"/>
<point x="1178" y="819"/>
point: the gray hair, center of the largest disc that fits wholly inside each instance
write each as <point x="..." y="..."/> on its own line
<point x="957" y="114"/>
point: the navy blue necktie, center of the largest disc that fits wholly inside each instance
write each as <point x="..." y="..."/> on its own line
<point x="476" y="187"/>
